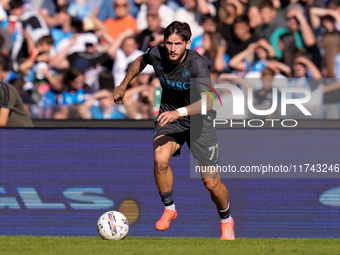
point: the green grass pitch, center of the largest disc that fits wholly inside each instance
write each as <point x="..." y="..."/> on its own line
<point x="35" y="245"/>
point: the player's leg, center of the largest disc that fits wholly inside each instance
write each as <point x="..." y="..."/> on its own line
<point x="164" y="148"/>
<point x="220" y="196"/>
<point x="218" y="191"/>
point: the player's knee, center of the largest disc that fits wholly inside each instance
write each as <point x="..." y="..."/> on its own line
<point x="212" y="184"/>
<point x="161" y="162"/>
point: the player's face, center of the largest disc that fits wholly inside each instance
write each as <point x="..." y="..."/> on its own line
<point x="176" y="48"/>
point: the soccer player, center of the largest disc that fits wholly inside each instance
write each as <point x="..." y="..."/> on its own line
<point x="174" y="65"/>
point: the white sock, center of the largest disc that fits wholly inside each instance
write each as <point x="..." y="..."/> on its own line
<point x="227" y="220"/>
<point x="171" y="207"/>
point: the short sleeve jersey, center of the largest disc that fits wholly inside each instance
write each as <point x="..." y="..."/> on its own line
<point x="175" y="79"/>
<point x="10" y="99"/>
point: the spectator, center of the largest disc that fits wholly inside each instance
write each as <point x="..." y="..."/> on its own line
<point x="75" y="89"/>
<point x="299" y="26"/>
<point x="263" y="51"/>
<point x="5" y="42"/>
<point x="124" y="56"/>
<point x="64" y="28"/>
<point x="62" y="112"/>
<point x="54" y="94"/>
<point x="6" y="74"/>
<point x="106" y="11"/>
<point x="308" y="4"/>
<point x="303" y="34"/>
<point x="243" y="36"/>
<point x="49" y="10"/>
<point x="330" y="19"/>
<point x="209" y="26"/>
<point x="297" y="23"/>
<point x="227" y="14"/>
<point x="153" y="35"/>
<point x="262" y="83"/>
<point x="307" y="76"/>
<point x="270" y="17"/>
<point x="192" y="12"/>
<point x="139" y="102"/>
<point x="164" y="12"/>
<point x="330" y="37"/>
<point x="68" y="46"/>
<point x="304" y="68"/>
<point x="254" y="16"/>
<point x="211" y="43"/>
<point x="91" y="62"/>
<point x="122" y="21"/>
<point x="79" y="9"/>
<point x="4" y="7"/>
<point x="35" y="24"/>
<point x="33" y="67"/>
<point x="101" y="106"/>
<point x="264" y="95"/>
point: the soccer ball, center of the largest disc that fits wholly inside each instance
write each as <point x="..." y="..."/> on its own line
<point x="112" y="225"/>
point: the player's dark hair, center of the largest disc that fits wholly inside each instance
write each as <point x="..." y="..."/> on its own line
<point x="180" y="28"/>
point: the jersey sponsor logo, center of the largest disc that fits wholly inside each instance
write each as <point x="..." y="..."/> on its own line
<point x="175" y="85"/>
<point x="186" y="73"/>
<point x="160" y="67"/>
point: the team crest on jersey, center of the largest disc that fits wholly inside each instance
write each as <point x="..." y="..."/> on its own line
<point x="185" y="73"/>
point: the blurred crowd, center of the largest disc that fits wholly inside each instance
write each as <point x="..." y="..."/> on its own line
<point x="66" y="56"/>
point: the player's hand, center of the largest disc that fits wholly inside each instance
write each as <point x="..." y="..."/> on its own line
<point x="118" y="95"/>
<point x="166" y="117"/>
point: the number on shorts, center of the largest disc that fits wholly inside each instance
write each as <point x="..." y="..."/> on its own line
<point x="214" y="150"/>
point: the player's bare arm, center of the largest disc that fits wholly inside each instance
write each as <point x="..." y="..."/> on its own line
<point x="192" y="109"/>
<point x="136" y="68"/>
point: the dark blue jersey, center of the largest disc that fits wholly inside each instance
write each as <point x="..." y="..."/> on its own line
<point x="175" y="79"/>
